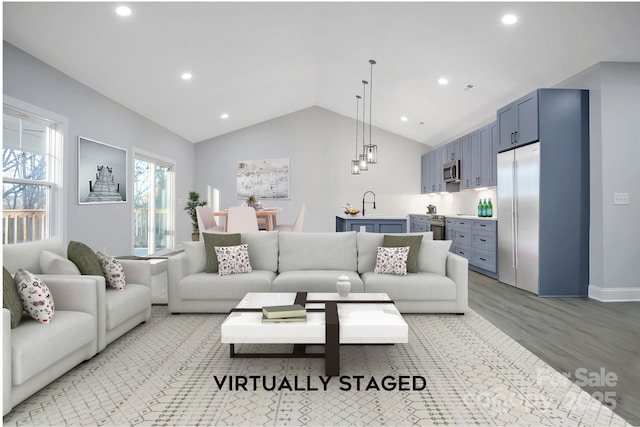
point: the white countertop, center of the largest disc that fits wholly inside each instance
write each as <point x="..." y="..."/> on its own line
<point x="372" y="217"/>
<point x="461" y="216"/>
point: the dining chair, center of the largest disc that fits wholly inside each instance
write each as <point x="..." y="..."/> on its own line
<point x="296" y="226"/>
<point x="242" y="220"/>
<point x="206" y="220"/>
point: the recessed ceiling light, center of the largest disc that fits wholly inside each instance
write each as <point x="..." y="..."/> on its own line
<point x="123" y="11"/>
<point x="404" y="119"/>
<point x="443" y="81"/>
<point x="224" y="116"/>
<point x="186" y="76"/>
<point x="509" y="19"/>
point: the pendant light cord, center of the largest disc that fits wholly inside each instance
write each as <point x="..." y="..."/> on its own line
<point x="364" y="102"/>
<point x="357" y="119"/>
<point x="371" y="61"/>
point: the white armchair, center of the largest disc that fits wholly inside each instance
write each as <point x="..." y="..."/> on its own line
<point x="35" y="354"/>
<point x="118" y="311"/>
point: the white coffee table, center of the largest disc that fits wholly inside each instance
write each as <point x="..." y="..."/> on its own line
<point x="332" y="320"/>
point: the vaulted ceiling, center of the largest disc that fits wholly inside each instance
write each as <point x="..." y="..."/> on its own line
<point x="258" y="61"/>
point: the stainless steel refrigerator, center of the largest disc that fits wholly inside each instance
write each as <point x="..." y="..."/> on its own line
<point x="518" y="213"/>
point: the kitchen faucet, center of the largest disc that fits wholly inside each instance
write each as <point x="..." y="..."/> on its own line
<point x="363" y="202"/>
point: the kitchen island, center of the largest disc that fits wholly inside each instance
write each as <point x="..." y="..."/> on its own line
<point x="372" y="223"/>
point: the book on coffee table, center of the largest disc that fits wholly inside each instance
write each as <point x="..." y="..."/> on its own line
<point x="284" y="311"/>
<point x="265" y="319"/>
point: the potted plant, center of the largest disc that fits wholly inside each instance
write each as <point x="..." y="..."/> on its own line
<point x="192" y="204"/>
<point x="251" y="201"/>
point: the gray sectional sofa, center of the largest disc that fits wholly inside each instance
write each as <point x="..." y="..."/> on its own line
<point x="312" y="262"/>
<point x="88" y="316"/>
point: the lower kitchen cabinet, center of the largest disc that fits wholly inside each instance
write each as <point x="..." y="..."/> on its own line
<point x="418" y="224"/>
<point x="476" y="240"/>
<point x="372" y="225"/>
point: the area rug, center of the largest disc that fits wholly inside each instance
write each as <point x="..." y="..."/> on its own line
<point x="173" y="370"/>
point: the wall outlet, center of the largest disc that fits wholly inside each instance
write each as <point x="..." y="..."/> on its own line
<point x="620" y="198"/>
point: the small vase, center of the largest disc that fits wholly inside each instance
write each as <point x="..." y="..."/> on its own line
<point x="343" y="286"/>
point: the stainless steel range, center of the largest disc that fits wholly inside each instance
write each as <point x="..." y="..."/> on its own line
<point x="436" y="223"/>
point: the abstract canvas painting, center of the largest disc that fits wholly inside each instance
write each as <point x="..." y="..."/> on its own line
<point x="263" y="179"/>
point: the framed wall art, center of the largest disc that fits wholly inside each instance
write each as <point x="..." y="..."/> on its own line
<point x="263" y="179"/>
<point x="102" y="172"/>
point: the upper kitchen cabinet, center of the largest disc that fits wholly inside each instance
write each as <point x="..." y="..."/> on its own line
<point x="425" y="173"/>
<point x="454" y="150"/>
<point x="518" y="122"/>
<point x="493" y="158"/>
<point x="466" y="179"/>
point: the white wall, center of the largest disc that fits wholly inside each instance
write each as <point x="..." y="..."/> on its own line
<point x="92" y="115"/>
<point x="614" y="271"/>
<point x="320" y="145"/>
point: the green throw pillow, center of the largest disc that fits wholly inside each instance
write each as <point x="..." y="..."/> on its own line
<point x="413" y="242"/>
<point x="84" y="258"/>
<point x="10" y="298"/>
<point x="211" y="240"/>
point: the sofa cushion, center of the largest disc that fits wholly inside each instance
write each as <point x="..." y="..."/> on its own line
<point x="315" y="281"/>
<point x="204" y="286"/>
<point x="263" y="249"/>
<point x="84" y="258"/>
<point x="53" y="263"/>
<point x="31" y="342"/>
<point x="433" y="256"/>
<point x="413" y="242"/>
<point x="211" y="240"/>
<point x="392" y="260"/>
<point x="35" y="295"/>
<point x="122" y="305"/>
<point x="412" y="287"/>
<point x="27" y="255"/>
<point x="112" y="271"/>
<point x="10" y="298"/>
<point x="368" y="244"/>
<point x="318" y="251"/>
<point x="233" y="259"/>
<point x="196" y="254"/>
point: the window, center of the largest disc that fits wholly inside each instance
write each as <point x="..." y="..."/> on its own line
<point x="153" y="214"/>
<point x="32" y="176"/>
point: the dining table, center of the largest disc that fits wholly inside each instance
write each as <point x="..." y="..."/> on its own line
<point x="269" y="214"/>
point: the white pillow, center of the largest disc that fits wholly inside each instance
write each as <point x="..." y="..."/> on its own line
<point x="233" y="259"/>
<point x="432" y="257"/>
<point x="35" y="295"/>
<point x="197" y="256"/>
<point x="112" y="270"/>
<point x="52" y="263"/>
<point x="392" y="260"/>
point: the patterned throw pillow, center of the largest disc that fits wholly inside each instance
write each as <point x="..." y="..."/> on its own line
<point x="113" y="271"/>
<point x="35" y="296"/>
<point x="211" y="240"/>
<point x="10" y="298"/>
<point x="392" y="260"/>
<point x="233" y="259"/>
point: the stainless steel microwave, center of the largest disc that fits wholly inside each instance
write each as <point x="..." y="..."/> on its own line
<point x="451" y="171"/>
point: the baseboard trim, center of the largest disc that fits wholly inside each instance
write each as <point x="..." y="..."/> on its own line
<point x="614" y="294"/>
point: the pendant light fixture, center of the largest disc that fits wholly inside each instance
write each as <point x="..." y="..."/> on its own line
<point x="355" y="164"/>
<point x="371" y="150"/>
<point x="363" y="157"/>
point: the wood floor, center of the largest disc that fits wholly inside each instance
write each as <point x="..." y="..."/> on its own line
<point x="579" y="336"/>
